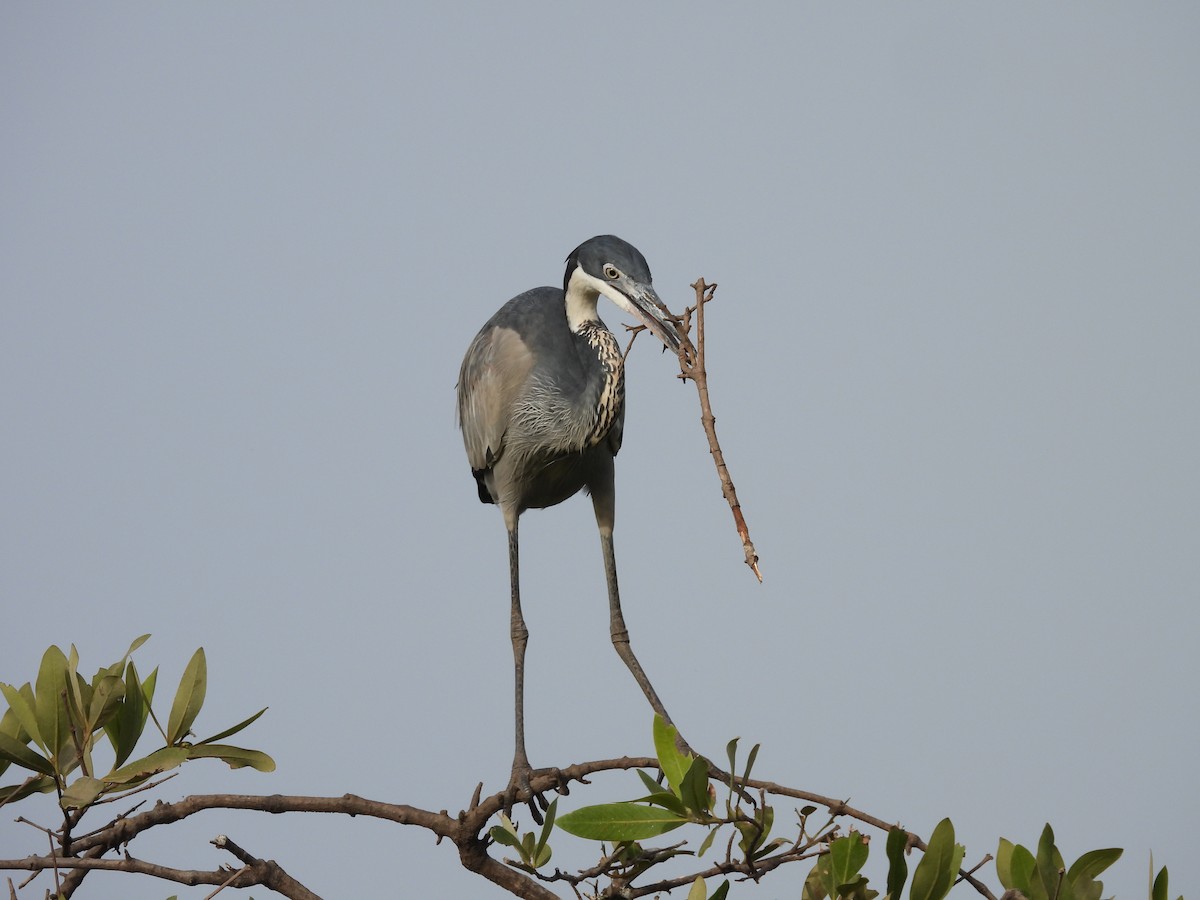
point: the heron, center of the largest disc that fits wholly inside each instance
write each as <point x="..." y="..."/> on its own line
<point x="541" y="405"/>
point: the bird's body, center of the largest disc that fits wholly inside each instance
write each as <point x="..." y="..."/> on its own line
<point x="541" y="403"/>
<point x="540" y="424"/>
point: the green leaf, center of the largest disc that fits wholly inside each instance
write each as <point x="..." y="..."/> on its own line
<point x="764" y="852"/>
<point x="1004" y="853"/>
<point x="506" y="833"/>
<point x="814" y="885"/>
<point x="618" y="822"/>
<point x="935" y="872"/>
<point x="107" y="691"/>
<point x="825" y="871"/>
<point x="137" y="642"/>
<point x="751" y="836"/>
<point x="752" y="843"/>
<point x="77" y="694"/>
<point x="22" y="704"/>
<point x="651" y="784"/>
<point x="1051" y="869"/>
<point x="1046" y="848"/>
<point x="698" y="890"/>
<point x="188" y="698"/>
<point x="543" y="847"/>
<point x="159" y="761"/>
<point x="846" y="857"/>
<point x="1092" y="863"/>
<point x="51" y="707"/>
<point x="24" y="756"/>
<point x="666" y="800"/>
<point x="236" y="757"/>
<point x="955" y="864"/>
<point x="235" y="729"/>
<point x="125" y="727"/>
<point x="11" y="793"/>
<point x="10" y="725"/>
<point x="1159" y="890"/>
<point x="750" y="760"/>
<point x="897" y="846"/>
<point x="148" y="685"/>
<point x="756" y="832"/>
<point x="114" y="670"/>
<point x="1021" y="868"/>
<point x="766" y="817"/>
<point x="694" y="788"/>
<point x="707" y="842"/>
<point x="721" y="892"/>
<point x="82" y="793"/>
<point x="857" y="890"/>
<point x="503" y="836"/>
<point x="673" y="763"/>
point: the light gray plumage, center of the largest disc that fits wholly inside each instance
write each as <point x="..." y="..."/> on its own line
<point x="541" y="403"/>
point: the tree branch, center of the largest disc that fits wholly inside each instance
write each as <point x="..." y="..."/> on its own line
<point x="268" y="873"/>
<point x="466" y="830"/>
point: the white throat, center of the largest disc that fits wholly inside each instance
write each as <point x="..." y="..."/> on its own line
<point x="583" y="291"/>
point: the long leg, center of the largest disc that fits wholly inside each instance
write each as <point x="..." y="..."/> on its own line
<point x="604" y="505"/>
<point x="618" y="631"/>
<point x="520" y="637"/>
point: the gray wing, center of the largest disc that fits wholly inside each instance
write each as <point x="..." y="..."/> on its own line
<point x="491" y="379"/>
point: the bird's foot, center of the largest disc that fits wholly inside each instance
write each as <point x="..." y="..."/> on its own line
<point x="520" y="789"/>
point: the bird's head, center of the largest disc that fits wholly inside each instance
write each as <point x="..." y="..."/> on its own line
<point x="615" y="268"/>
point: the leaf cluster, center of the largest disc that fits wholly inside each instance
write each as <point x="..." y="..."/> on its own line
<point x="837" y="873"/>
<point x="53" y="727"/>
<point x="1044" y="876"/>
<point x="687" y="797"/>
<point x="534" y="850"/>
<point x="690" y="798"/>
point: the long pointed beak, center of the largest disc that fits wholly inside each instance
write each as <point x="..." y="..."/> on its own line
<point x="641" y="301"/>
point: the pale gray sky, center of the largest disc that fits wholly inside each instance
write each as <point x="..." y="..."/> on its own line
<point x="955" y="363"/>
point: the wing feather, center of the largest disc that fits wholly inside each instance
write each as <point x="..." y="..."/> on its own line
<point x="491" y="380"/>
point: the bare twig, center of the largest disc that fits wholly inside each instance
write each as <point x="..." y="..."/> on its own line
<point x="54" y="858"/>
<point x="692" y="365"/>
<point x="735" y="867"/>
<point x="148" y="786"/>
<point x="234" y="876"/>
<point x="987" y="858"/>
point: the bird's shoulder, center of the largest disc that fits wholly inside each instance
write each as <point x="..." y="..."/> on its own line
<point x="519" y="329"/>
<point x="538" y="316"/>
